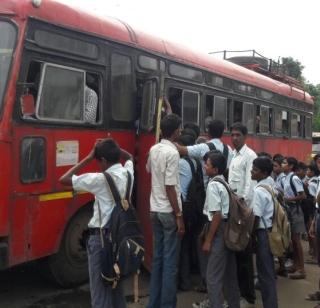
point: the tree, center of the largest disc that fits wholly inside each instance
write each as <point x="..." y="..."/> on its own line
<point x="315" y="92"/>
<point x="292" y="68"/>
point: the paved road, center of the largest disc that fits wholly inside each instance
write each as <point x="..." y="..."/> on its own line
<point x="23" y="287"/>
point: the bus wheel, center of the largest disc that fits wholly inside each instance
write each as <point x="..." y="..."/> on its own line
<point x="69" y="266"/>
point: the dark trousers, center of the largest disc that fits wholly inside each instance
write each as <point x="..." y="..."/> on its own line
<point x="246" y="273"/>
<point x="266" y="273"/>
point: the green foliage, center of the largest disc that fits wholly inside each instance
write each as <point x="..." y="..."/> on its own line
<point x="292" y="67"/>
<point x="315" y="92"/>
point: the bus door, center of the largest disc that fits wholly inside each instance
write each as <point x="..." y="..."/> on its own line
<point x="148" y="135"/>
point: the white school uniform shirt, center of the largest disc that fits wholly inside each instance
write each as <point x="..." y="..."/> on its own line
<point x="318" y="192"/>
<point x="262" y="203"/>
<point x="96" y="184"/>
<point x="240" y="173"/>
<point x="217" y="199"/>
<point x="287" y="190"/>
<point x="163" y="163"/>
<point x="279" y="181"/>
<point x="312" y="186"/>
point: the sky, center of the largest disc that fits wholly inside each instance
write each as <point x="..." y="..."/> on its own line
<point x="274" y="28"/>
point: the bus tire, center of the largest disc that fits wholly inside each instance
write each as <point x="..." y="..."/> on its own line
<point x="69" y="266"/>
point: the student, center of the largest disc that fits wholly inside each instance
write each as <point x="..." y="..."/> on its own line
<point x="241" y="183"/>
<point x="221" y="273"/>
<point x="166" y="214"/>
<point x="301" y="171"/>
<point x="108" y="154"/>
<point x="278" y="174"/>
<point x="293" y="194"/>
<point x="263" y="207"/>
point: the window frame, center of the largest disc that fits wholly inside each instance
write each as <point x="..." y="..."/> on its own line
<point x="198" y="103"/>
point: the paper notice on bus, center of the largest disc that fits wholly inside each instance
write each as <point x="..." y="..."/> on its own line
<point x="67" y="153"/>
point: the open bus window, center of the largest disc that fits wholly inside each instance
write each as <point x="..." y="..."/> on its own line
<point x="62" y="93"/>
<point x="191" y="104"/>
<point x="237" y="111"/>
<point x="217" y="108"/>
<point x="296" y="127"/>
<point x="281" y="121"/>
<point x="248" y="116"/>
<point x="175" y="99"/>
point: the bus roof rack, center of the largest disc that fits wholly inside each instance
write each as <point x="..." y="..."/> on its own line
<point x="253" y="60"/>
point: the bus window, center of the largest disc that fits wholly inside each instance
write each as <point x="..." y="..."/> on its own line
<point x="148" y="105"/>
<point x="308" y="127"/>
<point x="175" y="99"/>
<point x="263" y="119"/>
<point x="217" y="108"/>
<point x="190" y="107"/>
<point x="122" y="88"/>
<point x="296" y="127"/>
<point x="61" y="94"/>
<point x="7" y="42"/>
<point x="248" y="116"/>
<point x="237" y="111"/>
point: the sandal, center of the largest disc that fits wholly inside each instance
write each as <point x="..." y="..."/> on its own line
<point x="315" y="296"/>
<point x="298" y="275"/>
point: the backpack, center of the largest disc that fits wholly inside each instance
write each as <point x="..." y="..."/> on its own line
<point x="225" y="151"/>
<point x="239" y="226"/>
<point x="196" y="193"/>
<point x="123" y="244"/>
<point x="280" y="234"/>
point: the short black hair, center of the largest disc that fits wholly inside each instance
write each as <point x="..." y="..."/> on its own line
<point x="186" y="139"/>
<point x="169" y="124"/>
<point x="314" y="168"/>
<point x="215" y="128"/>
<point x="264" y="154"/>
<point x="240" y="127"/>
<point x="292" y="161"/>
<point x="316" y="157"/>
<point x="194" y="127"/>
<point x="301" y="165"/>
<point x="217" y="160"/>
<point x="109" y="150"/>
<point x="278" y="158"/>
<point x="264" y="164"/>
<point x="190" y="132"/>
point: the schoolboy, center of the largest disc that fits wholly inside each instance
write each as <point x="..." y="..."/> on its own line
<point x="293" y="194"/>
<point x="278" y="174"/>
<point x="263" y="207"/>
<point x="108" y="154"/>
<point x="166" y="214"/>
<point x="221" y="268"/>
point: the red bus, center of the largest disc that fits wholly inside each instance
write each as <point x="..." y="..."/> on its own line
<point x="50" y="55"/>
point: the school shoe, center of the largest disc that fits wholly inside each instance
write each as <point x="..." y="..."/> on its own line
<point x="297" y="275"/>
<point x="245" y="304"/>
<point x="204" y="304"/>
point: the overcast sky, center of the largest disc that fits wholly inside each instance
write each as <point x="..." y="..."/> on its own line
<point x="274" y="28"/>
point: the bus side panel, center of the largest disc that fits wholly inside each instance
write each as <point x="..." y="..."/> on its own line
<point x="5" y="180"/>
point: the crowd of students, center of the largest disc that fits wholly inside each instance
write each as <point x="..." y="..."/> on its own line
<point x="180" y="229"/>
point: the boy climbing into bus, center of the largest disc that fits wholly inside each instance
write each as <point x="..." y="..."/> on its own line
<point x="108" y="154"/>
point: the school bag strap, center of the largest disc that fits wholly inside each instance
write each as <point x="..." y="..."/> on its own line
<point x="189" y="161"/>
<point x="115" y="192"/>
<point x="271" y="192"/>
<point x="292" y="185"/>
<point x="225" y="151"/>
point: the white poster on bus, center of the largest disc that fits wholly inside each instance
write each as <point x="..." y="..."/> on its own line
<point x="67" y="153"/>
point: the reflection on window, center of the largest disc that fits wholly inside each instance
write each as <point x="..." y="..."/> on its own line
<point x="263" y="120"/>
<point x="61" y="96"/>
<point x="308" y="127"/>
<point x="244" y="88"/>
<point x="216" y="108"/>
<point x="122" y="90"/>
<point x="190" y="110"/>
<point x="281" y="121"/>
<point x="148" y="63"/>
<point x="185" y="72"/>
<point x="265" y="94"/>
<point x="148" y="105"/>
<point x="296" y="128"/>
<point x="248" y="116"/>
<point x="7" y="42"/>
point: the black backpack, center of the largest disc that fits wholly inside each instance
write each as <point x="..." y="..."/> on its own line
<point x="196" y="193"/>
<point x="225" y="151"/>
<point x="123" y="244"/>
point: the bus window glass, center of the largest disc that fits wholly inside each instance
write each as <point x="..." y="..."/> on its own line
<point x="7" y="42"/>
<point x="308" y="127"/>
<point x="185" y="72"/>
<point x="248" y="116"/>
<point x="265" y="94"/>
<point x="190" y="110"/>
<point x="122" y="98"/>
<point x="61" y="94"/>
<point x="220" y="109"/>
<point x="148" y="105"/>
<point x="209" y="110"/>
<point x="295" y="125"/>
<point x="32" y="160"/>
<point x="148" y="63"/>
<point x="175" y="99"/>
<point x="244" y="88"/>
<point x="264" y="120"/>
<point x="237" y="111"/>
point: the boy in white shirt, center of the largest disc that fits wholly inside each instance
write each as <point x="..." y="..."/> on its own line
<point x="108" y="154"/>
<point x="263" y="207"/>
<point x="221" y="268"/>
